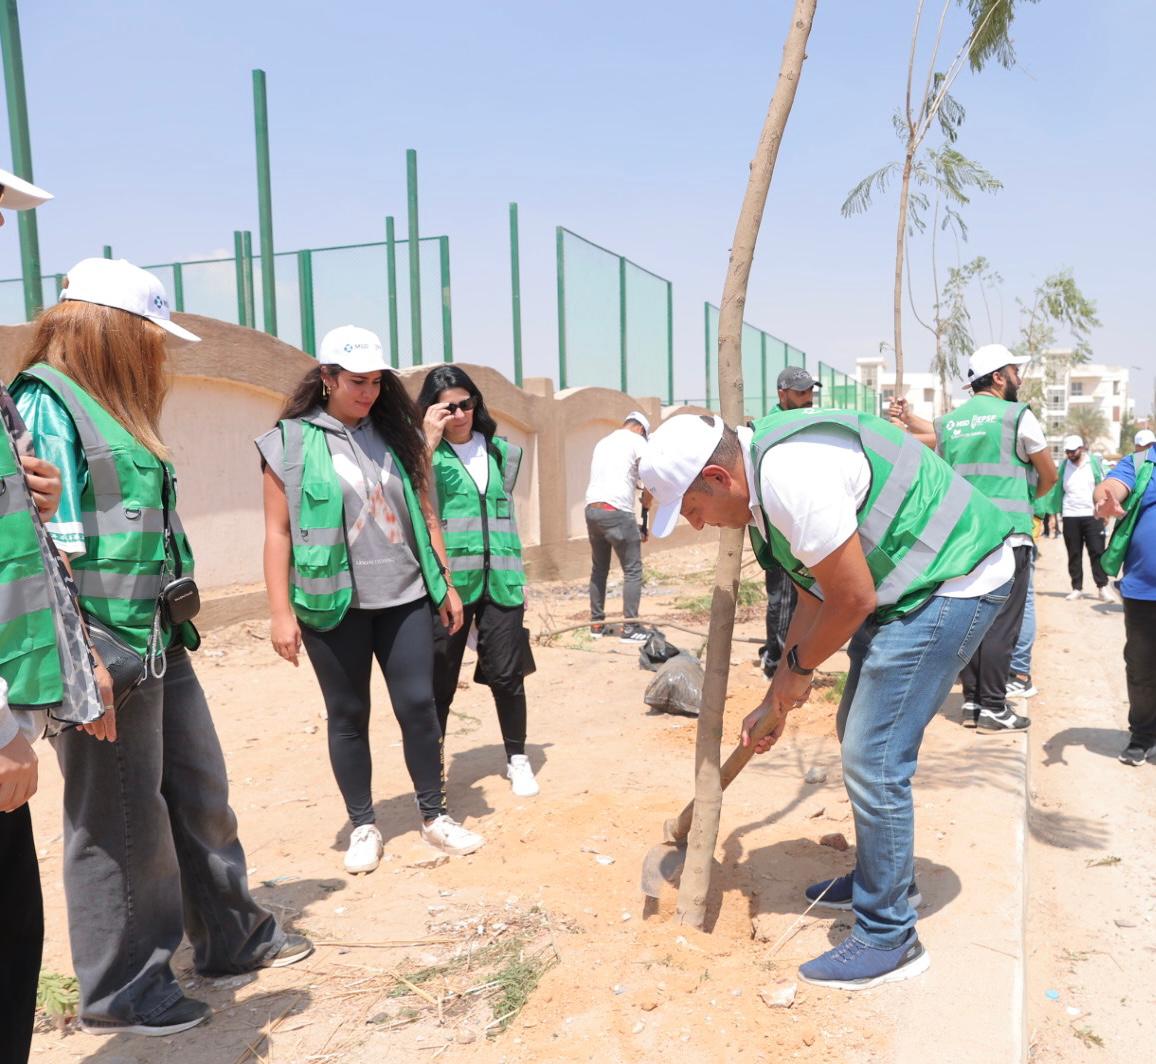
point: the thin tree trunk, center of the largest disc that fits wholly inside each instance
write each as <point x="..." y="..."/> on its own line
<point x="703" y="835"/>
<point x="900" y="245"/>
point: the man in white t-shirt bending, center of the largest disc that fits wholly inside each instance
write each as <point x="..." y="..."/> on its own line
<point x="889" y="549"/>
<point x="611" y="524"/>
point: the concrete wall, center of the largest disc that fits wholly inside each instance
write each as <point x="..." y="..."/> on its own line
<point x="229" y="388"/>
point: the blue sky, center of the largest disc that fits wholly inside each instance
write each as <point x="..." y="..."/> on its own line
<point x="630" y="123"/>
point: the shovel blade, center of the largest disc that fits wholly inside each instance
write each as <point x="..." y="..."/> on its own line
<point x="662" y="868"/>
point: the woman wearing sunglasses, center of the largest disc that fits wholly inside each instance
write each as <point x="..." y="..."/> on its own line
<point x="474" y="473"/>
<point x="353" y="559"/>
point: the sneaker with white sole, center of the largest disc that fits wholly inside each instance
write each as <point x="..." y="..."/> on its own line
<point x="295" y="948"/>
<point x="365" y="850"/>
<point x="521" y="776"/>
<point x="1001" y="720"/>
<point x="970" y="714"/>
<point x="1106" y="594"/>
<point x="854" y="965"/>
<point x="1135" y="753"/>
<point x="181" y="1015"/>
<point x="447" y="835"/>
<point x="1021" y="687"/>
<point x="1071" y="596"/>
<point x="633" y="633"/>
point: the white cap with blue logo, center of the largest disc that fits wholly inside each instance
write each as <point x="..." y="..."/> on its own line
<point x="119" y="284"/>
<point x="352" y="348"/>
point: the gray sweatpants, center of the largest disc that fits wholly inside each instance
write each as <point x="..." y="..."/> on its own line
<point x="617" y="531"/>
<point x="151" y="853"/>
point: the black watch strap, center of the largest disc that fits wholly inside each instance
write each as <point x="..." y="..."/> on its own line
<point x="793" y="662"/>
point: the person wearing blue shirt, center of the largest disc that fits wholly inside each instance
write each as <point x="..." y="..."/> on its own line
<point x="1138" y="589"/>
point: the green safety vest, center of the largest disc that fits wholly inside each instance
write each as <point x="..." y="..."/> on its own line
<point x="321" y="586"/>
<point x="1053" y="502"/>
<point x="29" y="659"/>
<point x="1113" y="557"/>
<point x="978" y="441"/>
<point x="482" y="544"/>
<point x="920" y="524"/>
<point x="124" y="565"/>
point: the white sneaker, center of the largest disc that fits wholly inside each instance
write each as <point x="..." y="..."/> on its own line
<point x="1071" y="596"/>
<point x="365" y="850"/>
<point x="447" y="835"/>
<point x="1106" y="594"/>
<point x="521" y="777"/>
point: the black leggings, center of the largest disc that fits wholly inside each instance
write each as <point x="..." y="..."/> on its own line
<point x="401" y="638"/>
<point x="500" y="654"/>
<point x="21" y="934"/>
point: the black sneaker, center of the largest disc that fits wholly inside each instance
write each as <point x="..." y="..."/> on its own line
<point x="295" y="948"/>
<point x="970" y="714"/>
<point x="1001" y="720"/>
<point x="632" y="633"/>
<point x="836" y="893"/>
<point x="1134" y="754"/>
<point x="180" y="1016"/>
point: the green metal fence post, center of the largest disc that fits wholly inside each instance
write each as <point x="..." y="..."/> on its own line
<point x="59" y="279"/>
<point x="13" y="56"/>
<point x="106" y="251"/>
<point x="560" y="259"/>
<point x="706" y="321"/>
<point x="265" y="202"/>
<point x="670" y="343"/>
<point x="178" y="288"/>
<point x="622" y="322"/>
<point x="391" y="284"/>
<point x="447" y="310"/>
<point x="414" y="256"/>
<point x="250" y="288"/>
<point x="516" y="293"/>
<point x="305" y="295"/>
<point x="239" y="271"/>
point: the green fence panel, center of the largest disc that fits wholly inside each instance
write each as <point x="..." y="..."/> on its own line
<point x="648" y="340"/>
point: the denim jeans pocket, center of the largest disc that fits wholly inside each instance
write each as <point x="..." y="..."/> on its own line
<point x="977" y="629"/>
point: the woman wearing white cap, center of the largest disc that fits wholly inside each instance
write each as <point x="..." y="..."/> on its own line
<point x="150" y="842"/>
<point x="353" y="558"/>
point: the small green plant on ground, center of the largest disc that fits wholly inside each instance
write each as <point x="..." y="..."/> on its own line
<point x="58" y="996"/>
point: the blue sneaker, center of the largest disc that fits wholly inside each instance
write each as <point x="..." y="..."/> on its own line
<point x="838" y="893"/>
<point x="853" y="965"/>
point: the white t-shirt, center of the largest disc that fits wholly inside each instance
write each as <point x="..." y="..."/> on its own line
<point x="614" y="470"/>
<point x="1079" y="483"/>
<point x="812" y="487"/>
<point x="1030" y="439"/>
<point x="476" y="458"/>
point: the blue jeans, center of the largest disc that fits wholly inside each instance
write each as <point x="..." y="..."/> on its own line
<point x="151" y="853"/>
<point x="900" y="675"/>
<point x="1021" y="662"/>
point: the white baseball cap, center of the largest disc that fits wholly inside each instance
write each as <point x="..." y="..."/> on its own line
<point x="641" y="418"/>
<point x="352" y="348"/>
<point x="988" y="359"/>
<point x="20" y="195"/>
<point x="675" y="454"/>
<point x="118" y="283"/>
<point x="1145" y="438"/>
<point x="1073" y="443"/>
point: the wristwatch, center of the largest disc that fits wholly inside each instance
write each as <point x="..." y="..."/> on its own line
<point x="793" y="662"/>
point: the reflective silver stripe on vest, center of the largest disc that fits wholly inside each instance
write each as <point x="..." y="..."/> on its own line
<point x="931" y="542"/>
<point x="18" y="598"/>
<point x="320" y="537"/>
<point x="475" y="524"/>
<point x="12" y="495"/>
<point x="991" y="469"/>
<point x="293" y="462"/>
<point x="470" y="562"/>
<point x="511" y="467"/>
<point x="323" y="585"/>
<point x="904" y="471"/>
<point x="104" y="584"/>
<point x="1012" y="506"/>
<point x="123" y="521"/>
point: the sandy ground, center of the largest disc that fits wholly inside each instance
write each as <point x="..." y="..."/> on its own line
<point x="560" y="873"/>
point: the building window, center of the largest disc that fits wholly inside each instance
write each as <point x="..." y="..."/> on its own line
<point x="1055" y="398"/>
<point x="1116" y="389"/>
<point x="888" y="394"/>
<point x="1077" y="387"/>
<point x="929" y="395"/>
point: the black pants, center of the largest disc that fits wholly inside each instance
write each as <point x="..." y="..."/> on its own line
<point x="781" y="601"/>
<point x="21" y="934"/>
<point x="401" y="638"/>
<point x="1081" y="532"/>
<point x="985" y="677"/>
<point x="500" y="655"/>
<point x="1050" y="525"/>
<point x="1140" y="669"/>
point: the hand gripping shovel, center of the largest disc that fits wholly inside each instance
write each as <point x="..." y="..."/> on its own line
<point x="663" y="864"/>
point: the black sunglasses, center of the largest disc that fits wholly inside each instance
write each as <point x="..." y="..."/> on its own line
<point x="465" y="405"/>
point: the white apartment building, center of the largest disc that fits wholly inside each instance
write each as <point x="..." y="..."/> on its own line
<point x="925" y="396"/>
<point x="1068" y="387"/>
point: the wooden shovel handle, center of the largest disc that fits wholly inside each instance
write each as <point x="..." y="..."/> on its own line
<point x="676" y="829"/>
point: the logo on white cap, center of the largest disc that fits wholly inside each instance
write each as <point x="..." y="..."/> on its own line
<point x="119" y="284"/>
<point x="674" y="456"/>
<point x="352" y="348"/>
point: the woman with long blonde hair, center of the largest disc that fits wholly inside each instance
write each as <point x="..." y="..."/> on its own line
<point x="150" y="842"/>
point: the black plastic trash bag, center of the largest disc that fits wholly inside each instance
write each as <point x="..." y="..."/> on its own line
<point x="678" y="686"/>
<point x="656" y="651"/>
